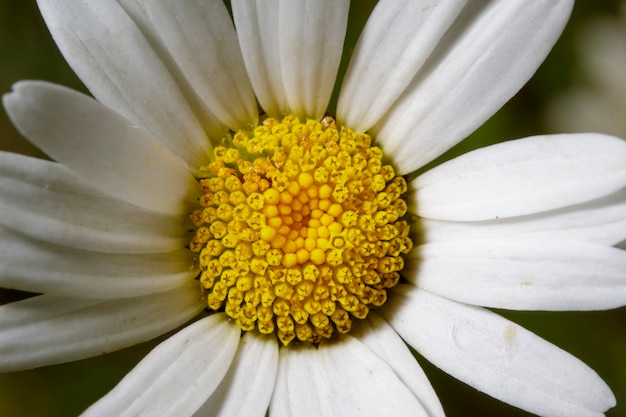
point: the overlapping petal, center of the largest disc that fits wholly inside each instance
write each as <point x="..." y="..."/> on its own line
<point x="377" y="335"/>
<point x="292" y="51"/>
<point x="394" y="44"/>
<point x="497" y="356"/>
<point x="101" y="146"/>
<point x="160" y="383"/>
<point x="47" y="201"/>
<point x="32" y="265"/>
<point x="522" y="273"/>
<point x="112" y="57"/>
<point x="50" y="329"/>
<point x="520" y="177"/>
<point x="340" y="379"/>
<point x="600" y="221"/>
<point x="490" y="51"/>
<point x="189" y="29"/>
<point x="247" y="387"/>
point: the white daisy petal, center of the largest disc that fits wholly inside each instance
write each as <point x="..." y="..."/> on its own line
<point x="101" y="146"/>
<point x="339" y="379"/>
<point x="292" y="52"/>
<point x="496" y="356"/>
<point x="45" y="200"/>
<point x="522" y="177"/>
<point x="32" y="265"/>
<point x="160" y="383"/>
<point x="189" y="29"/>
<point x="259" y="44"/>
<point x="522" y="273"/>
<point x="247" y="387"/>
<point x="488" y="54"/>
<point x="311" y="42"/>
<point x="394" y="44"/>
<point x="111" y="56"/>
<point x="376" y="334"/>
<point x="50" y="329"/>
<point x="296" y="389"/>
<point x="137" y="11"/>
<point x="599" y="221"/>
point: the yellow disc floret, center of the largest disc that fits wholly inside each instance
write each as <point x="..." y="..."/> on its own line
<point x="301" y="228"/>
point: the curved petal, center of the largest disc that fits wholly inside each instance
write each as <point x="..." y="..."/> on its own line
<point x="201" y="38"/>
<point x="600" y="221"/>
<point x="50" y="329"/>
<point x="488" y="54"/>
<point x="496" y="356"/>
<point x="339" y="379"/>
<point x="31" y="265"/>
<point x="136" y="10"/>
<point x="251" y="377"/>
<point x="292" y="51"/>
<point x="394" y="44"/>
<point x="45" y="200"/>
<point x="177" y="376"/>
<point x="311" y="43"/>
<point x="111" y="56"/>
<point x="522" y="273"/>
<point x="522" y="177"/>
<point x="377" y="335"/>
<point x="101" y="146"/>
<point x="258" y="34"/>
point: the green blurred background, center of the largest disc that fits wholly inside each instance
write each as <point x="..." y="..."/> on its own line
<point x="598" y="338"/>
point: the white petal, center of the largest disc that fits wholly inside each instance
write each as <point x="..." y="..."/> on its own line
<point x="258" y="34"/>
<point x="394" y="44"/>
<point x="377" y="335"/>
<point x="178" y="375"/>
<point x="50" y="329"/>
<point x="32" y="265"/>
<point x="522" y="177"/>
<point x="339" y="379"/>
<point x="488" y="54"/>
<point x="496" y="356"/>
<point x="292" y="52"/>
<point x="311" y="42"/>
<point x="201" y="38"/>
<point x="45" y="200"/>
<point x="599" y="221"/>
<point x="247" y="387"/>
<point x="296" y="392"/>
<point x="137" y="11"/>
<point x="522" y="273"/>
<point x="111" y="56"/>
<point x="101" y="146"/>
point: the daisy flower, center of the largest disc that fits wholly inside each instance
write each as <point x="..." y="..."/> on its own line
<point x="206" y="180"/>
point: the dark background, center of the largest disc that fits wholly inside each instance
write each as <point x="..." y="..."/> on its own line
<point x="597" y="338"/>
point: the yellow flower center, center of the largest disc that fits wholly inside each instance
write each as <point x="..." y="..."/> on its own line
<point x="301" y="228"/>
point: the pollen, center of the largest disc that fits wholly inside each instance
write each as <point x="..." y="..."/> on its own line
<point x="301" y="228"/>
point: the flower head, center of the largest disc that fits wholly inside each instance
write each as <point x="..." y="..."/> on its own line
<point x="303" y="241"/>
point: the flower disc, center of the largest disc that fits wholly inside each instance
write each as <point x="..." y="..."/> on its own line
<point x="301" y="229"/>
